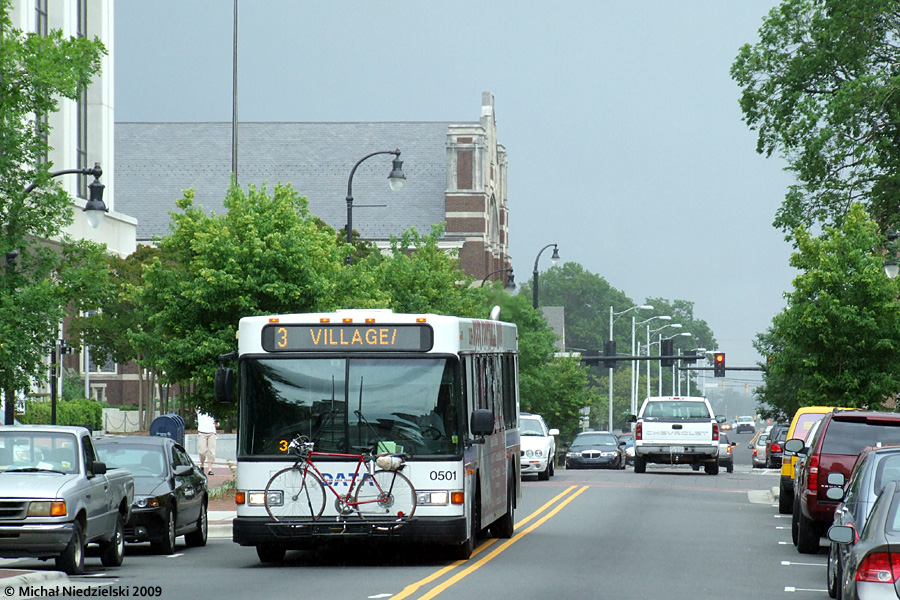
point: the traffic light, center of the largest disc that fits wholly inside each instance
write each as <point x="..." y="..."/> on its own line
<point x="719" y="364"/>
<point x="609" y="349"/>
<point x="667" y="348"/>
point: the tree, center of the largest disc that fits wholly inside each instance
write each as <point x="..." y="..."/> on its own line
<point x="44" y="281"/>
<point x="838" y="341"/>
<point x="821" y="88"/>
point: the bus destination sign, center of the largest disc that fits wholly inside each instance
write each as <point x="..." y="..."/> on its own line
<point x="347" y="337"/>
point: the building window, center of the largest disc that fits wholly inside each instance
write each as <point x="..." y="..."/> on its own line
<point x="108" y="367"/>
<point x="40" y="17"/>
<point x="81" y="142"/>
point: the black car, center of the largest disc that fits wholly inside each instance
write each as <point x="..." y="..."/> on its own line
<point x="869" y="570"/>
<point x="170" y="492"/>
<point x="596" y="449"/>
<point x="874" y="468"/>
<point x="775" y="445"/>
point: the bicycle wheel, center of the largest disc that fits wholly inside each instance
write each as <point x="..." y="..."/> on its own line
<point x="385" y="494"/>
<point x="294" y="495"/>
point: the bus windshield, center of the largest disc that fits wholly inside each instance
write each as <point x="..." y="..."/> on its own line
<point x="350" y="405"/>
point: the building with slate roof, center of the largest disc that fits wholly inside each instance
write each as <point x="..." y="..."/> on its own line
<point x="455" y="173"/>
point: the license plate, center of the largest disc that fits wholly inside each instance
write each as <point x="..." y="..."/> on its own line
<point x="677" y="450"/>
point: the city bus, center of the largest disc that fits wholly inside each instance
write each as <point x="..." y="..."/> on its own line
<point x="354" y="380"/>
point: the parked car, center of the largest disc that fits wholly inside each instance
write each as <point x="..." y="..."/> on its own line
<point x="874" y="468"/>
<point x="757" y="447"/>
<point x="171" y="493"/>
<point x="629" y="451"/>
<point x="596" y="449"/>
<point x="833" y="448"/>
<point x="775" y="446"/>
<point x="799" y="429"/>
<point x="538" y="446"/>
<point x="744" y="424"/>
<point x="869" y="570"/>
<point x="57" y="497"/>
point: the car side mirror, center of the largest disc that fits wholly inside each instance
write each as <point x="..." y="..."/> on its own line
<point x="720" y="419"/>
<point x="632" y="418"/>
<point x="224" y="385"/>
<point x="794" y="446"/>
<point x="183" y="470"/>
<point x="841" y="534"/>
<point x="554" y="432"/>
<point x="98" y="468"/>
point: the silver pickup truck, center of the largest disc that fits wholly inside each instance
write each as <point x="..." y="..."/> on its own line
<point x="676" y="430"/>
<point x="56" y="497"/>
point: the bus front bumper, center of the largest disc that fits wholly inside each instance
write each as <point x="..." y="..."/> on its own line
<point x="252" y="531"/>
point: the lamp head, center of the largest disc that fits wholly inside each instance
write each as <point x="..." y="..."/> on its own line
<point x="397" y="178"/>
<point x="675" y="326"/>
<point x="664" y="318"/>
<point x="645" y="307"/>
<point x="891" y="269"/>
<point x="511" y="281"/>
<point x="95" y="209"/>
<point x="554" y="258"/>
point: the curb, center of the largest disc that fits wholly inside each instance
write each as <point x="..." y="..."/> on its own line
<point x="28" y="579"/>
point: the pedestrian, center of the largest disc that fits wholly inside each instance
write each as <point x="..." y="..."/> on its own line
<point x="206" y="439"/>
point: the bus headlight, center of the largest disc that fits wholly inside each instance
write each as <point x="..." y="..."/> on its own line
<point x="258" y="498"/>
<point x="441" y="498"/>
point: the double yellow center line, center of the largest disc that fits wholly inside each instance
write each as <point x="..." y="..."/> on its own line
<point x="569" y="494"/>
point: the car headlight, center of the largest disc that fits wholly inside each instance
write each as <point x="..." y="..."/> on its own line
<point x="146" y="502"/>
<point x="529" y="453"/>
<point x="538" y="453"/>
<point x="47" y="508"/>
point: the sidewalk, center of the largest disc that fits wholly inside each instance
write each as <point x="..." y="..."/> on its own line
<point x="219" y="527"/>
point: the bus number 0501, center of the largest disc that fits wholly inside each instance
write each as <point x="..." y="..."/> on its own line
<point x="443" y="475"/>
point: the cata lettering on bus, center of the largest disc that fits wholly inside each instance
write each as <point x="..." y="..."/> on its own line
<point x="485" y="334"/>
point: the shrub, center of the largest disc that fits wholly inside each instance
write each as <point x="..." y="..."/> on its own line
<point x="81" y="412"/>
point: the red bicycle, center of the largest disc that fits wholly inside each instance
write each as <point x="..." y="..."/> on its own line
<point x="297" y="493"/>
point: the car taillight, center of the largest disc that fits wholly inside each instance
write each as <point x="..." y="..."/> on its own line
<point x="776" y="447"/>
<point x="812" y="482"/>
<point x="729" y="449"/>
<point x="715" y="432"/>
<point x="879" y="567"/>
<point x="638" y="432"/>
<point x="754" y="452"/>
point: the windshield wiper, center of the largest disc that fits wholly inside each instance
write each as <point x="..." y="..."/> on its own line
<point x="33" y="470"/>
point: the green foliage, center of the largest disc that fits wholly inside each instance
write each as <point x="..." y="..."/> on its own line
<point x="82" y="412"/>
<point x="820" y="87"/>
<point x="836" y="343"/>
<point x="35" y="72"/>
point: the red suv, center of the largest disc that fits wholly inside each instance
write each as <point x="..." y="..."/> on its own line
<point x="840" y="438"/>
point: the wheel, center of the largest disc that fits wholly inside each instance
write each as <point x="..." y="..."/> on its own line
<point x="552" y="463"/>
<point x="385" y="494"/>
<point x="197" y="538"/>
<point x="270" y="554"/>
<point x="807" y="536"/>
<point x="730" y="467"/>
<point x="112" y="551"/>
<point x="464" y="550"/>
<point x="293" y="494"/>
<point x="711" y="468"/>
<point x="640" y="464"/>
<point x="165" y="544"/>
<point x="833" y="573"/>
<point x="504" y="527"/>
<point x="71" y="561"/>
<point x="795" y="520"/>
<point x="545" y="474"/>
<point x="785" y="498"/>
<point x="623" y="460"/>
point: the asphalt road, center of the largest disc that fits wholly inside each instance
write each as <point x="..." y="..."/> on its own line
<point x="670" y="533"/>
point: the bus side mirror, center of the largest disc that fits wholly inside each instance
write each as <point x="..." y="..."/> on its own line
<point x="224" y="385"/>
<point x="482" y="422"/>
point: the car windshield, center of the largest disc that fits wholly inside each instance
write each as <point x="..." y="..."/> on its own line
<point x="141" y="460"/>
<point x="594" y="439"/>
<point x="530" y="427"/>
<point x="27" y="451"/>
<point x="676" y="410"/>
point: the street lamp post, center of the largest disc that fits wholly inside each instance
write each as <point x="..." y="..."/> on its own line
<point x="534" y="285"/>
<point x="635" y="372"/>
<point x="612" y="316"/>
<point x="94" y="210"/>
<point x="659" y="343"/>
<point x="674" y="365"/>
<point x="510" y="281"/>
<point x="687" y="374"/>
<point x="395" y="178"/>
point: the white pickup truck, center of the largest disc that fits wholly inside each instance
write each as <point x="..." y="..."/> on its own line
<point x="56" y="497"/>
<point x="674" y="430"/>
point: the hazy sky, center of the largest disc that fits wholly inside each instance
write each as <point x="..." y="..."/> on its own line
<point x="621" y="122"/>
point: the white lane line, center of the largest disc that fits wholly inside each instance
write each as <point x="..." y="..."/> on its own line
<point x="381" y="596"/>
<point x="788" y="563"/>
<point x="793" y="589"/>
